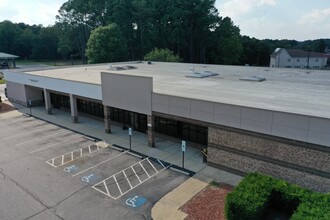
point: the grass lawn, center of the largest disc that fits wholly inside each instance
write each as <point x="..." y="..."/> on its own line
<point x="2" y="81"/>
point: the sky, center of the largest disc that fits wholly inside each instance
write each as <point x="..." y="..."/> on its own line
<point x="263" y="19"/>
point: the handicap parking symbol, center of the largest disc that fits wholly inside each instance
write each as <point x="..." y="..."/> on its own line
<point x="70" y="169"/>
<point x="90" y="178"/>
<point x="135" y="201"/>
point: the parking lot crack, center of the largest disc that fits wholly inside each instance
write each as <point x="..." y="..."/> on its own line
<point x="70" y="196"/>
<point x="25" y="190"/>
<point x="2" y="175"/>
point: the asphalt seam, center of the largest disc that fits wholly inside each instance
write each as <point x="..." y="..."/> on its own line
<point x="22" y="188"/>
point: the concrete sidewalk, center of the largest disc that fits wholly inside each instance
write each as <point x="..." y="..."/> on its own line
<point x="168" y="206"/>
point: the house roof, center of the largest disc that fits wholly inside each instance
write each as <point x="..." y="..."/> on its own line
<point x="303" y="53"/>
<point x="275" y="52"/>
<point x="298" y="53"/>
<point x="7" y="56"/>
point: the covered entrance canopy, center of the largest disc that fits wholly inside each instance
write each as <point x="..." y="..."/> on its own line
<point x="7" y="60"/>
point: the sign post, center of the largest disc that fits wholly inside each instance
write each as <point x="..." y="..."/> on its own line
<point x="130" y="138"/>
<point x="30" y="105"/>
<point x="183" y="148"/>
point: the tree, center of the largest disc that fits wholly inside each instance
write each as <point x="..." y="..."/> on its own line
<point x="163" y="55"/>
<point x="9" y="33"/>
<point x="46" y="43"/>
<point x="106" y="44"/>
<point x="225" y="43"/>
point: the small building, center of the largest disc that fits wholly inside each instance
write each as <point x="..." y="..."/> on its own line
<point x="7" y="60"/>
<point x="297" y="58"/>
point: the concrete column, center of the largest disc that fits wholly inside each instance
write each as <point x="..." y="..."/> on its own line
<point x="74" y="110"/>
<point x="107" y="126"/>
<point x="150" y="131"/>
<point x="48" y="105"/>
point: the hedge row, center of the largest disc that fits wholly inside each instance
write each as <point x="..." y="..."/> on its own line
<point x="257" y="194"/>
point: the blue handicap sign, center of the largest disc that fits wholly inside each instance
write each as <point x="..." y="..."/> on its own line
<point x="90" y="178"/>
<point x="135" y="201"/>
<point x="71" y="169"/>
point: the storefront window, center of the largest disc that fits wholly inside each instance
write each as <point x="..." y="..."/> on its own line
<point x="181" y="130"/>
<point x="91" y="108"/>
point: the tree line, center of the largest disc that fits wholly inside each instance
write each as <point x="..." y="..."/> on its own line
<point x="192" y="29"/>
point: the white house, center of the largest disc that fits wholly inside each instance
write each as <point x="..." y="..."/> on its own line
<point x="297" y="58"/>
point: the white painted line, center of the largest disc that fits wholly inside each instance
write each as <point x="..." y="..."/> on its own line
<point x="22" y="134"/>
<point x="39" y="138"/>
<point x="104" y="192"/>
<point x="100" y="163"/>
<point x="144" y="169"/>
<point x="106" y="187"/>
<point x="89" y="149"/>
<point x="136" y="174"/>
<point x="52" y="164"/>
<point x="138" y="184"/>
<point x="68" y="153"/>
<point x="71" y="155"/>
<point x="123" y="171"/>
<point x="129" y="182"/>
<point x="152" y="165"/>
<point x="160" y="163"/>
<point x="114" y="177"/>
<point x="52" y="145"/>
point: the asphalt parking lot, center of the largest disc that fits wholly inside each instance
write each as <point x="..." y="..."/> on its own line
<point x="49" y="172"/>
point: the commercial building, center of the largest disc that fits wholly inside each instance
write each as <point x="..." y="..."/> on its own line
<point x="271" y="120"/>
<point x="297" y="58"/>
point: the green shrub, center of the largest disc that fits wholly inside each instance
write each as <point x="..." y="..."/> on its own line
<point x="314" y="206"/>
<point x="257" y="194"/>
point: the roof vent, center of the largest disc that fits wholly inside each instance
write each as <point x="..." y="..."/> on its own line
<point x="122" y="67"/>
<point x="253" y="78"/>
<point x="202" y="74"/>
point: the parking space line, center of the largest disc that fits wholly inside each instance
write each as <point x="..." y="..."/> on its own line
<point x="103" y="182"/>
<point x="160" y="162"/>
<point x="49" y="146"/>
<point x="100" y="163"/>
<point x="22" y="134"/>
<point x="114" y="177"/>
<point x="129" y="182"/>
<point x="62" y="157"/>
<point x="52" y="163"/>
<point x="152" y="165"/>
<point x="28" y="141"/>
<point x="136" y="174"/>
<point x="106" y="187"/>
<point x="144" y="169"/>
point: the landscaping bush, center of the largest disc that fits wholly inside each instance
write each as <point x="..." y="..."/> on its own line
<point x="257" y="195"/>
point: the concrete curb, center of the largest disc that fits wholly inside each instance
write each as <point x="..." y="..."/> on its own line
<point x="168" y="206"/>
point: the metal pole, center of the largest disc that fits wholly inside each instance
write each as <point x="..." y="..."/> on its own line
<point x="130" y="138"/>
<point x="182" y="159"/>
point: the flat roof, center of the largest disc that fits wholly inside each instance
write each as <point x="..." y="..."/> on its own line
<point x="298" y="91"/>
<point x="7" y="56"/>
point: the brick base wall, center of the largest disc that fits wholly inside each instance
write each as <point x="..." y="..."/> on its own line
<point x="297" y="163"/>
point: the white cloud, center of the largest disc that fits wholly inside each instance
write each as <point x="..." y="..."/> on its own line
<point x="317" y="16"/>
<point x="4" y="3"/>
<point x="30" y="12"/>
<point x="237" y="8"/>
